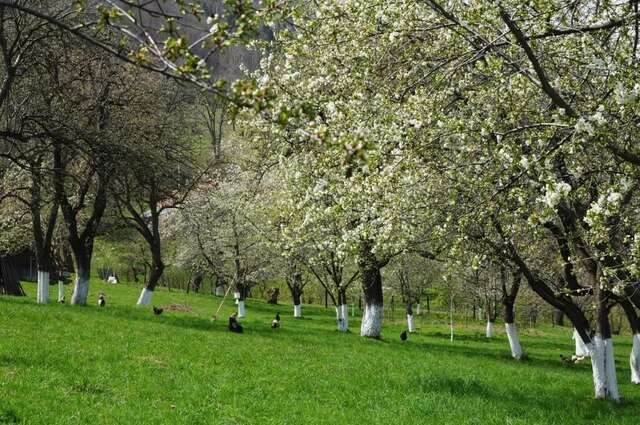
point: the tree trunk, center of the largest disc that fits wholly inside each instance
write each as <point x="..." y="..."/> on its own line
<point x="634" y="359"/>
<point x="342" y="312"/>
<point x="581" y="348"/>
<point x="60" y="291"/>
<point x="410" y="327"/>
<point x="272" y="296"/>
<point x="514" y="340"/>
<point x="81" y="287"/>
<point x="634" y="325"/>
<point x="558" y="318"/>
<point x="341" y="318"/>
<point x="508" y="301"/>
<point x="512" y="330"/>
<point x="489" y="330"/>
<point x="43" y="287"/>
<point x="294" y="282"/>
<point x="602" y="359"/>
<point x="372" y="287"/>
<point x="82" y="263"/>
<point x="9" y="279"/>
<point x="154" y="278"/>
<point x="491" y="317"/>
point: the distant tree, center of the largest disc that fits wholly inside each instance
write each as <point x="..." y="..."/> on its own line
<point x="160" y="169"/>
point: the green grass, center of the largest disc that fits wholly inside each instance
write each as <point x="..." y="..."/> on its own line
<point x="61" y="364"/>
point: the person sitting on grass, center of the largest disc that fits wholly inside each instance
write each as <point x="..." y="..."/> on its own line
<point x="234" y="326"/>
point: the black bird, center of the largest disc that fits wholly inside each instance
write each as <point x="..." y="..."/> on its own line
<point x="403" y="335"/>
<point x="157" y="311"/>
<point x="101" y="300"/>
<point x="275" y="324"/>
<point x="278" y="317"/>
<point x="234" y="326"/>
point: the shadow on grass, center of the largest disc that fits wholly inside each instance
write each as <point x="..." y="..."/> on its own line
<point x="254" y="326"/>
<point x="512" y="401"/>
<point x="494" y="353"/>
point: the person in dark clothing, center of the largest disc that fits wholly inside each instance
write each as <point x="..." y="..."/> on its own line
<point x="234" y="326"/>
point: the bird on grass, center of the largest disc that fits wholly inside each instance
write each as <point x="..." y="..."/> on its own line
<point x="101" y="300"/>
<point x="275" y="323"/>
<point x="157" y="311"/>
<point x="234" y="326"/>
<point x="403" y="335"/>
<point x="571" y="360"/>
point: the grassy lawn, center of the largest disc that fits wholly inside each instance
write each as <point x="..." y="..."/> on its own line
<point x="122" y="365"/>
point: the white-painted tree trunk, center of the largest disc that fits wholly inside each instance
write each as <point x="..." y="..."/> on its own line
<point x="241" y="311"/>
<point x="60" y="291"/>
<point x="220" y="291"/>
<point x="451" y="317"/>
<point x="604" y="370"/>
<point x="489" y="330"/>
<point x="80" y="290"/>
<point x="145" y="297"/>
<point x="610" y="368"/>
<point x="514" y="340"/>
<point x="372" y="320"/>
<point x="342" y="317"/>
<point x="581" y="348"/>
<point x="297" y="311"/>
<point x="42" y="296"/>
<point x="418" y="309"/>
<point x="410" y="327"/>
<point x="634" y="359"/>
<point x="597" y="367"/>
<point x="236" y="295"/>
<point x="345" y="317"/>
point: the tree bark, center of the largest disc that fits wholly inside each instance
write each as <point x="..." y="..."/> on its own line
<point x="9" y="279"/>
<point x="42" y="296"/>
<point x="295" y="286"/>
<point x="558" y="318"/>
<point x="342" y="311"/>
<point x="489" y="329"/>
<point x="634" y="324"/>
<point x="508" y="301"/>
<point x="82" y="263"/>
<point x="634" y="359"/>
<point x="372" y="288"/>
<point x="157" y="269"/>
<point x="581" y="348"/>
<point x="602" y="359"/>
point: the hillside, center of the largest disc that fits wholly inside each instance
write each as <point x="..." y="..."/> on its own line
<point x="122" y="365"/>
